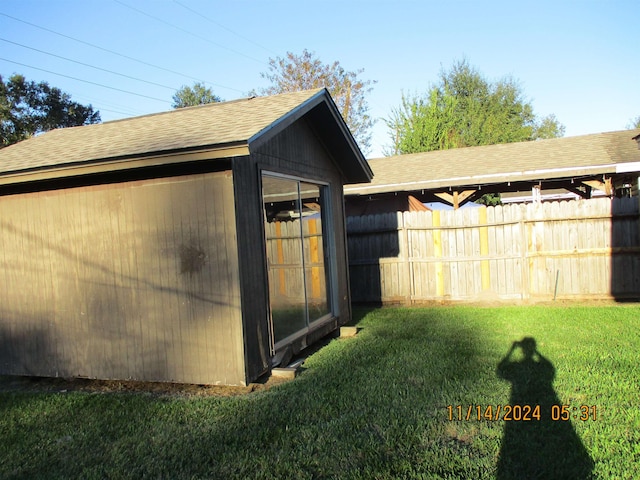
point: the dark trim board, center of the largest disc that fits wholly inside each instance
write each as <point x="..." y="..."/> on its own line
<point x="105" y="178"/>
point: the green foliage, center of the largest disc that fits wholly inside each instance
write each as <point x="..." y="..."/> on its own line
<point x="464" y="110"/>
<point x="29" y="108"/>
<point x="373" y="406"/>
<point x="634" y="123"/>
<point x="199" y="94"/>
<point x="490" y="199"/>
<point x="548" y="127"/>
<point x="305" y="72"/>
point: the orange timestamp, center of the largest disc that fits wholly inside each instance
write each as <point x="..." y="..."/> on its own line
<point x="520" y="413"/>
<point x="567" y="412"/>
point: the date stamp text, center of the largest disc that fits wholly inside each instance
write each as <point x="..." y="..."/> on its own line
<point x="521" y="413"/>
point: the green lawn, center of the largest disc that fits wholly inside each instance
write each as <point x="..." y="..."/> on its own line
<point x="374" y="406"/>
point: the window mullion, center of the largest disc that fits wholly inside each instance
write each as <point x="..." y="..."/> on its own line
<point x="302" y="251"/>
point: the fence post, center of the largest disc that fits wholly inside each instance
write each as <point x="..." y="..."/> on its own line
<point x="404" y="241"/>
<point x="527" y="263"/>
<point x="437" y="253"/>
<point x="485" y="273"/>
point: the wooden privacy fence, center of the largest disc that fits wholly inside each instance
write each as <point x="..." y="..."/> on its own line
<point x="568" y="249"/>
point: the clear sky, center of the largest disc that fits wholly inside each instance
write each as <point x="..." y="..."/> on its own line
<point x="576" y="59"/>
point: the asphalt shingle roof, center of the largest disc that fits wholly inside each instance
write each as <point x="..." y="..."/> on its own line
<point x="207" y="125"/>
<point x="553" y="158"/>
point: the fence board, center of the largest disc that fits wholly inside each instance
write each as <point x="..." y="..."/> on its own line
<point x="590" y="247"/>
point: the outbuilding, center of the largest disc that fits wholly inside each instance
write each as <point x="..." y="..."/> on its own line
<point x="200" y="245"/>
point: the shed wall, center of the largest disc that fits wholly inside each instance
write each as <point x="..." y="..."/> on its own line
<point x="135" y="280"/>
<point x="295" y="151"/>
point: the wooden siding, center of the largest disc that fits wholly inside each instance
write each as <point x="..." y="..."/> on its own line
<point x="134" y="280"/>
<point x="588" y="248"/>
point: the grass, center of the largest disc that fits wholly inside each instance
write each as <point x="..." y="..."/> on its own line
<point x="373" y="406"/>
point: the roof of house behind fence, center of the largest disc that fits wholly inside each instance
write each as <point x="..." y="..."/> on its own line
<point x="600" y="153"/>
<point x="218" y="124"/>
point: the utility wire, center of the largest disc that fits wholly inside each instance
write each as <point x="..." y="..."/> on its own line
<point x="188" y="32"/>
<point x="88" y="65"/>
<point x="118" y="112"/>
<point x="222" y="26"/>
<point x="99" y="105"/>
<point x="84" y="81"/>
<point x="118" y="54"/>
<point x="108" y="106"/>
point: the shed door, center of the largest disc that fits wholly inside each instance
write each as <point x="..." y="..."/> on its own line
<point x="296" y="255"/>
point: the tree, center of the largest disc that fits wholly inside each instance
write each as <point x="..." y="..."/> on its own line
<point x="304" y="72"/>
<point x="29" y="108"/>
<point x="191" y="96"/>
<point x="634" y="123"/>
<point x="548" y="127"/>
<point x="463" y="110"/>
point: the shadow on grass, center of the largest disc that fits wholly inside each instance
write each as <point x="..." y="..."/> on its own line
<point x="545" y="445"/>
<point x="373" y="406"/>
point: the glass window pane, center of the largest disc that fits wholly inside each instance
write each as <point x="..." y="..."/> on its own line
<point x="313" y="242"/>
<point x="284" y="256"/>
<point x="296" y="247"/>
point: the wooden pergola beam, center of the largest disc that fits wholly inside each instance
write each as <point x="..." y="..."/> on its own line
<point x="455" y="198"/>
<point x="586" y="193"/>
<point x="606" y="186"/>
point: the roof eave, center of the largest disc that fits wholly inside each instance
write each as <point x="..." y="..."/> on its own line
<point x="129" y="162"/>
<point x="360" y="172"/>
<point x="367" y="172"/>
<point x="284" y="121"/>
<point x="531" y="175"/>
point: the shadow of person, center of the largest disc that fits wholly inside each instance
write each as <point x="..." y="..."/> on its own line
<point x="539" y="448"/>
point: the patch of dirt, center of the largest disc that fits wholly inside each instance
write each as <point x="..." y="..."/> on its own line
<point x="64" y="385"/>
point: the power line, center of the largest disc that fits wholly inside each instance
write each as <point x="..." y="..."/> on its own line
<point x="118" y="112"/>
<point x="108" y="106"/>
<point x="84" y="81"/>
<point x="222" y="26"/>
<point x="88" y="65"/>
<point x="187" y="31"/>
<point x="118" y="54"/>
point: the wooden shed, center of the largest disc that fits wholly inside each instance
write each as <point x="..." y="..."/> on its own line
<point x="195" y="245"/>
